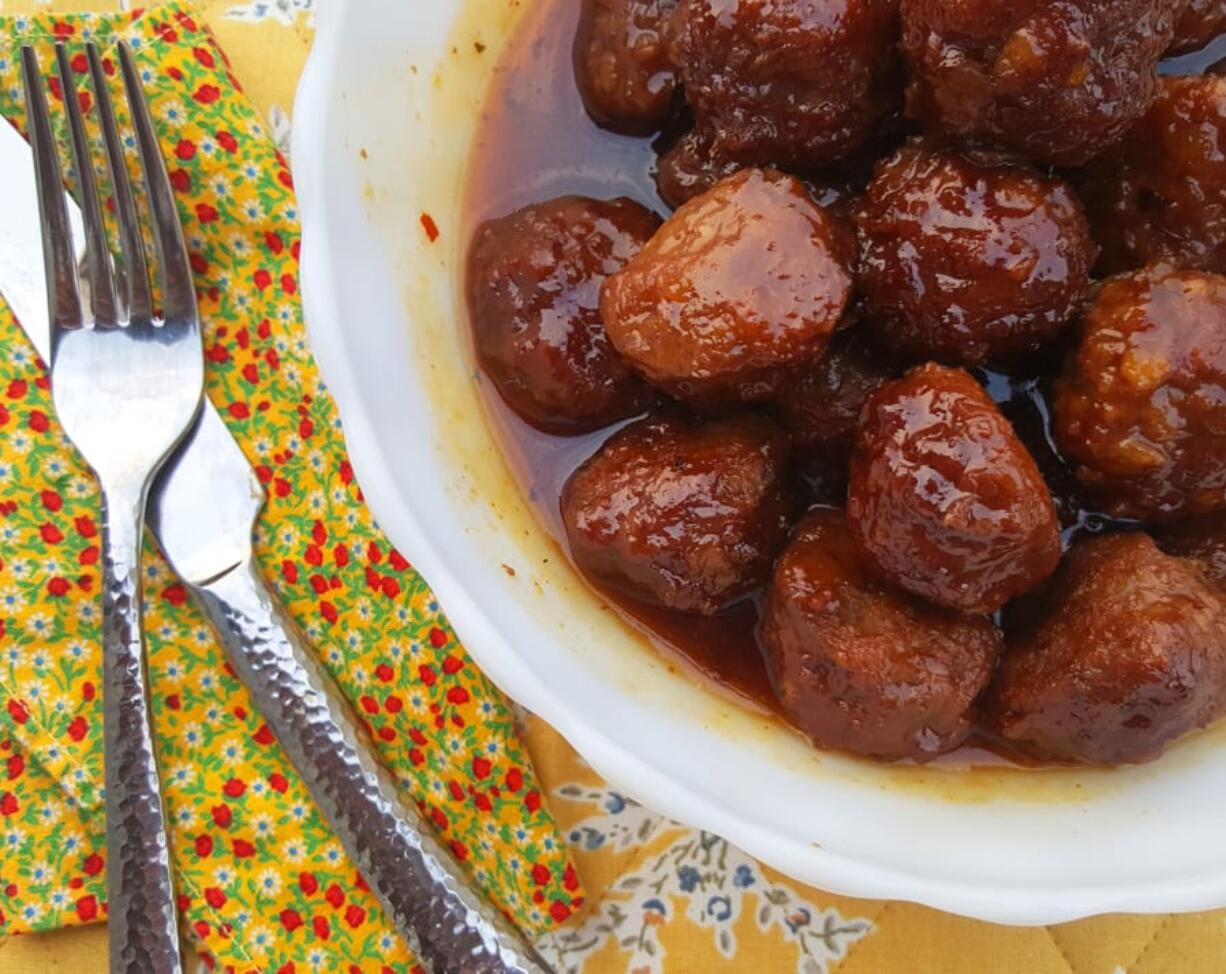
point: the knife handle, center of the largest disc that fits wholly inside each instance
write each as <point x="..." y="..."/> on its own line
<point x="423" y="889"/>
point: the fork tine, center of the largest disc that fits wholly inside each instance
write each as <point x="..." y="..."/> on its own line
<point x="178" y="291"/>
<point x="97" y="253"/>
<point x="63" y="289"/>
<point x="133" y="269"/>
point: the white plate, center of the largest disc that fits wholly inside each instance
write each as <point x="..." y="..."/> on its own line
<point x="384" y="117"/>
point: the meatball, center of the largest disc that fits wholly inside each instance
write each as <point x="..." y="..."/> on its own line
<point x="796" y="84"/>
<point x="1203" y="539"/>
<point x="943" y="499"/>
<point x="822" y="407"/>
<point x="1160" y="195"/>
<point x="1056" y="80"/>
<point x="741" y="285"/>
<point x="690" y="167"/>
<point x="680" y="513"/>
<point x="1201" y="22"/>
<point x="622" y="63"/>
<point x="1141" y="407"/>
<point x="1127" y="653"/>
<point x="861" y="667"/>
<point x="534" y="281"/>
<point x="969" y="260"/>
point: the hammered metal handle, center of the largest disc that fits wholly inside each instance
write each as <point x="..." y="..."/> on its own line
<point x="426" y="895"/>
<point x="141" y="919"/>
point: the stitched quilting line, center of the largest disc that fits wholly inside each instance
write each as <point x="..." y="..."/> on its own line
<point x="875" y="920"/>
<point x="1152" y="940"/>
<point x="1059" y="949"/>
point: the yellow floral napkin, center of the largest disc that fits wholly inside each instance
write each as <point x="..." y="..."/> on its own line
<point x="263" y="884"/>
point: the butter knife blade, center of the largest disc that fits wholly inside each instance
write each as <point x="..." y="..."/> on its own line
<point x="202" y="509"/>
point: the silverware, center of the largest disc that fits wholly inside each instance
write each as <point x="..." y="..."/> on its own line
<point x="201" y="510"/>
<point x="127" y="384"/>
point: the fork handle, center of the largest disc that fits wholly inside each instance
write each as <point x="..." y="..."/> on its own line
<point x="424" y="891"/>
<point x="141" y="918"/>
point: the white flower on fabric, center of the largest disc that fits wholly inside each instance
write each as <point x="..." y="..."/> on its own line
<point x="292" y="851"/>
<point x="284" y="11"/>
<point x="713" y="882"/>
<point x="232" y="753"/>
<point x="182" y="774"/>
<point x="260" y="937"/>
<point x="279" y="124"/>
<point x="172" y="110"/>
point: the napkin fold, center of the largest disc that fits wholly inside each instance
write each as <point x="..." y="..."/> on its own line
<point x="263" y="883"/>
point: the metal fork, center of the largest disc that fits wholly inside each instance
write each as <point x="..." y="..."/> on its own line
<point x="127" y="384"/>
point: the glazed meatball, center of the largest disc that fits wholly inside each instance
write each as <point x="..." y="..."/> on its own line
<point x="1201" y="22"/>
<point x="943" y="500"/>
<point x="689" y="168"/>
<point x="680" y="513"/>
<point x="534" y="281"/>
<point x="861" y="667"/>
<point x="622" y="63"/>
<point x="741" y="285"/>
<point x="1128" y="653"/>
<point x="1141" y="408"/>
<point x="1056" y="80"/>
<point x="1202" y="539"/>
<point x="822" y="407"/>
<point x="969" y="260"/>
<point x="1160" y="195"/>
<point x="796" y="84"/>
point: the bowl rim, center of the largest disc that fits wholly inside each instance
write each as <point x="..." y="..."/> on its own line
<point x="622" y="768"/>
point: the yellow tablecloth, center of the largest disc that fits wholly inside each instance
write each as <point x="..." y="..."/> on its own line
<point x="663" y="899"/>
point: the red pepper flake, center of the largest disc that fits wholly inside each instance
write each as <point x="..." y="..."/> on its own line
<point x="431" y="228"/>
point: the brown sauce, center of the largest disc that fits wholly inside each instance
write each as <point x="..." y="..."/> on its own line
<point x="535" y="142"/>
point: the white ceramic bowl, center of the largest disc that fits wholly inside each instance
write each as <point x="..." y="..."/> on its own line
<point x="384" y="118"/>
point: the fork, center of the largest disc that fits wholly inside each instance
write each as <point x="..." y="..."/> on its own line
<point x="127" y="381"/>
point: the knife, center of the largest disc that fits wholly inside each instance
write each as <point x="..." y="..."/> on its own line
<point x="202" y="510"/>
